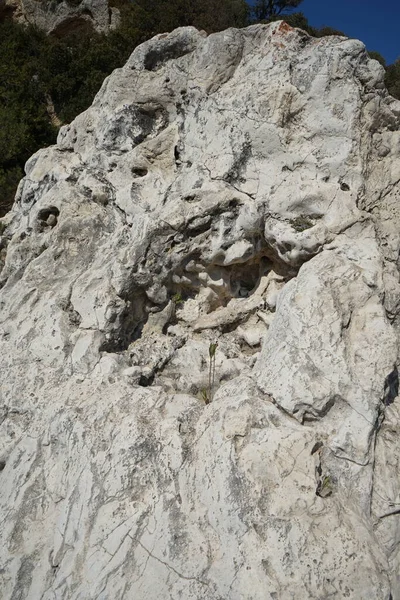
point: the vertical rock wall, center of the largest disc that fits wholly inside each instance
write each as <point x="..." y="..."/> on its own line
<point x="239" y="189"/>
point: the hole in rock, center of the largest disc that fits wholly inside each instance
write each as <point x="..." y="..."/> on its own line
<point x="199" y="225"/>
<point x="7" y="12"/>
<point x="245" y="278"/>
<point x="317" y="446"/>
<point x="192" y="277"/>
<point x="234" y="203"/>
<point x="2" y="465"/>
<point x="139" y="172"/>
<point x="226" y="282"/>
<point x="136" y="122"/>
<point x="125" y="326"/>
<point x="192" y="198"/>
<point x="48" y="216"/>
<point x="241" y="159"/>
<point x="391" y="387"/>
<point x="285" y="247"/>
<point x="87" y="12"/>
<point x="150" y="120"/>
<point x="229" y="328"/>
<point x="301" y="223"/>
<point x="29" y="197"/>
<point x="146" y="381"/>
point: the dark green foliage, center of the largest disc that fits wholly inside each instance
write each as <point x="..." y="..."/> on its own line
<point x="378" y="57"/>
<point x="393" y="79"/>
<point x="9" y="179"/>
<point x="324" y="31"/>
<point x="298" y="19"/>
<point x="157" y="16"/>
<point x="265" y="10"/>
<point x="74" y="69"/>
<point x="24" y="122"/>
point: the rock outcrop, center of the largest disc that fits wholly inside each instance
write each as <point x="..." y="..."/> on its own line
<point x="62" y="17"/>
<point x="239" y="189"/>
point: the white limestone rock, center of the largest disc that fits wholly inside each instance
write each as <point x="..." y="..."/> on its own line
<point x="62" y="17"/>
<point x="238" y="189"/>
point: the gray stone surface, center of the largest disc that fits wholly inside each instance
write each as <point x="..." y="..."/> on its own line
<point x="238" y="189"/>
<point x="62" y="17"/>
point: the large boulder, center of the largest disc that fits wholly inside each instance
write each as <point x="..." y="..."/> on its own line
<point x="238" y="189"/>
<point x="62" y="17"/>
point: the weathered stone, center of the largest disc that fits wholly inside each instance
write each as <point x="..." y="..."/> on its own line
<point x="231" y="189"/>
<point x="63" y="17"/>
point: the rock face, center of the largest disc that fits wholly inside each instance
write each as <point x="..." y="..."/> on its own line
<point x="238" y="189"/>
<point x="61" y="17"/>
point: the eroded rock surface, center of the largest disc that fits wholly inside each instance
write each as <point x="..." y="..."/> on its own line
<point x="238" y="189"/>
<point x="62" y="17"/>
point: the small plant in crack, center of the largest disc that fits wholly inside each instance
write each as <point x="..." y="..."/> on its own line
<point x="325" y="486"/>
<point x="207" y="393"/>
<point x="205" y="396"/>
<point x="211" y="371"/>
<point x="177" y="299"/>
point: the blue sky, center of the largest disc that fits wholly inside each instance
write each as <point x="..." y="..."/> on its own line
<point x="376" y="24"/>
